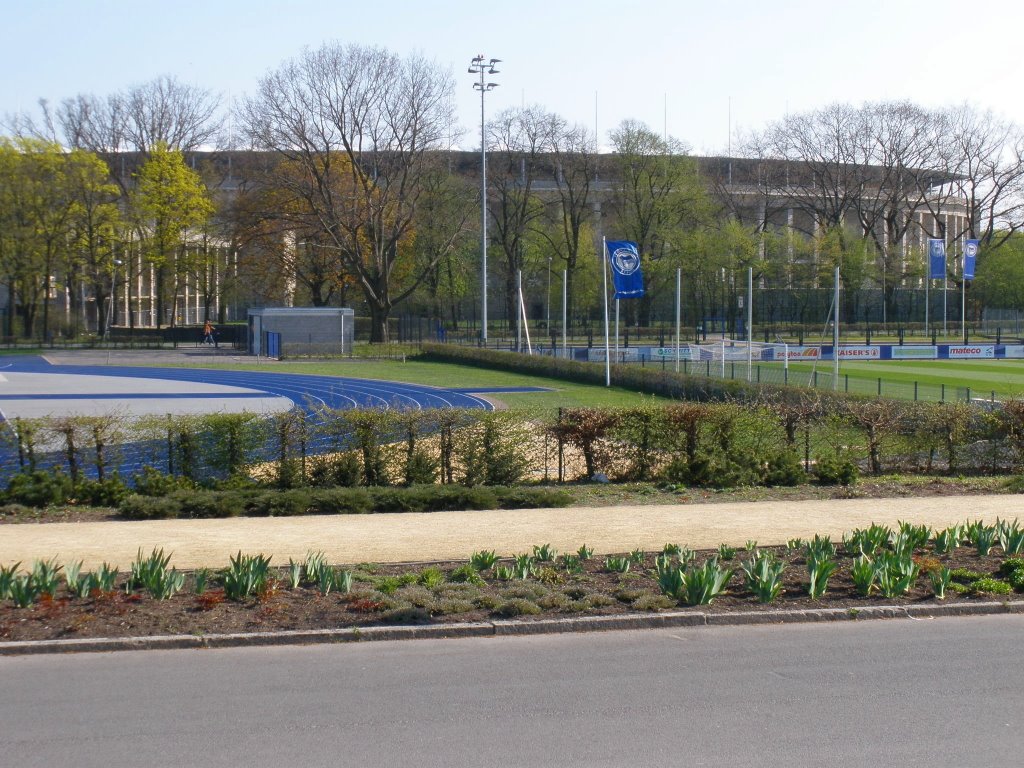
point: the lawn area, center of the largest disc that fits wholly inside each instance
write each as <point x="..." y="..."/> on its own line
<point x="1004" y="377"/>
<point x="564" y="393"/>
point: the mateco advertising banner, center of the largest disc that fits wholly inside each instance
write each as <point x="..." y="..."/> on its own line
<point x="983" y="350"/>
<point x="914" y="353"/>
<point x="860" y="353"/>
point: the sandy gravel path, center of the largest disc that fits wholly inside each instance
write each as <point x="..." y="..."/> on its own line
<point x="455" y="535"/>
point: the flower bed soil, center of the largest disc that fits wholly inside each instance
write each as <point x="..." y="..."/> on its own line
<point x="553" y="594"/>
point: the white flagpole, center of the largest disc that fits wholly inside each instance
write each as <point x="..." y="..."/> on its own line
<point x="679" y="289"/>
<point x="750" y="322"/>
<point x="617" y="358"/>
<point x="565" y="311"/>
<point x="607" y="344"/>
<point x="835" y="332"/>
<point x="963" y="298"/>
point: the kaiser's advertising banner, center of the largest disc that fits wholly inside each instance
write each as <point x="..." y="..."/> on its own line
<point x="859" y="353"/>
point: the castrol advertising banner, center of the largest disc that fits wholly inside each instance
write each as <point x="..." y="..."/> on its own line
<point x="860" y="353"/>
<point x="799" y="353"/>
<point x="976" y="350"/>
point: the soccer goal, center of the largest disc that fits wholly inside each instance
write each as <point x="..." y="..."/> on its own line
<point x="735" y="351"/>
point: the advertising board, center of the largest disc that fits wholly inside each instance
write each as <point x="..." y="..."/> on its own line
<point x="859" y="353"/>
<point x="914" y="353"/>
<point x="971" y="350"/>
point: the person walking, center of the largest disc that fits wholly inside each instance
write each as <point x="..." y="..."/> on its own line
<point x="208" y="334"/>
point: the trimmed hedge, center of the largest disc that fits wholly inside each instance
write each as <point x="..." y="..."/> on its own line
<point x="336" y="501"/>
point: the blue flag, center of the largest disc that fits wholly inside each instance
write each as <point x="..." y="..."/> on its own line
<point x="936" y="259"/>
<point x="626" y="275"/>
<point x="970" y="258"/>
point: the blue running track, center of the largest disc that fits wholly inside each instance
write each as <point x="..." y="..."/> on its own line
<point x="308" y="392"/>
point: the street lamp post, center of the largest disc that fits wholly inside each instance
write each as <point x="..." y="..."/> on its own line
<point x="478" y="66"/>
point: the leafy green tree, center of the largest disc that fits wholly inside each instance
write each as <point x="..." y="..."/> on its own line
<point x="169" y="199"/>
<point x="1000" y="275"/>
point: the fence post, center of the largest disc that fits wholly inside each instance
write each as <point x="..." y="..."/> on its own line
<point x="942" y="392"/>
<point x="968" y="394"/>
<point x="915" y="391"/>
<point x="846" y="384"/>
<point x="561" y="449"/>
<point x="879" y="386"/>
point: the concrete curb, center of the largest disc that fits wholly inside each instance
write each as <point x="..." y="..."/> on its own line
<point x="633" y="621"/>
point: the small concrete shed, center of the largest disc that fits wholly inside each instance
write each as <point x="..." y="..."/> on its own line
<point x="301" y="331"/>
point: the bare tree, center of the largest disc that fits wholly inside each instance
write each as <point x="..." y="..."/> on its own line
<point x="518" y="142"/>
<point x="356" y="129"/>
<point x="573" y="170"/>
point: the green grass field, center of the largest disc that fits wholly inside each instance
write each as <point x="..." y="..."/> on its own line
<point x="563" y="394"/>
<point x="983" y="377"/>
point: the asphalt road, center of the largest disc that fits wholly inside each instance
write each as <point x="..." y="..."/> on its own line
<point x="944" y="692"/>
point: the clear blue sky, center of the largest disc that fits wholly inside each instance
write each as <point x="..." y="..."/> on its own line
<point x="647" y="60"/>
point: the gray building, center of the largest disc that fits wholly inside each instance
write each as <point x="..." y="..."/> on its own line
<point x="313" y="331"/>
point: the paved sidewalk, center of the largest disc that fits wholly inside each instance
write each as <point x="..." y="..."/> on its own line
<point x="455" y="535"/>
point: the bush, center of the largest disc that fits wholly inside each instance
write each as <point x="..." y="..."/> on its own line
<point x="39" y="489"/>
<point x="211" y="504"/>
<point x="990" y="586"/>
<point x="108" y="492"/>
<point x="153" y="482"/>
<point x="518" y="606"/>
<point x="835" y="471"/>
<point x="284" y="503"/>
<point x="138" y="507"/>
<point x="341" y="501"/>
<point x="527" y="498"/>
<point x="785" y="469"/>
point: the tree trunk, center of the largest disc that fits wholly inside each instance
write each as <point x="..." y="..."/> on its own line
<point x="378" y="324"/>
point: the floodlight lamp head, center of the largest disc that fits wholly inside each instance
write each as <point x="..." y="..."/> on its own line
<point x="478" y="58"/>
<point x="491" y="86"/>
<point x="494" y="61"/>
<point x="493" y="71"/>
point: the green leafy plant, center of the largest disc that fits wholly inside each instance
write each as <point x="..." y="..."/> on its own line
<point x="990" y="586"/>
<point x="636" y="557"/>
<point x="863" y="575"/>
<point x="431" y="578"/>
<point x="245" y="576"/>
<point x="763" y="575"/>
<point x="1016" y="580"/>
<point x="916" y="536"/>
<point x="201" y="579"/>
<point x="984" y="539"/>
<point x="73" y="577"/>
<point x="342" y="580"/>
<point x="45" y="574"/>
<point x="617" y="564"/>
<point x="896" y="574"/>
<point x="7" y="575"/>
<point x="725" y="552"/>
<point x="584" y="552"/>
<point x="794" y="544"/>
<point x="819" y="569"/>
<point x="672" y="550"/>
<point x="940" y="582"/>
<point x="483" y="560"/>
<point x="1011" y="564"/>
<point x="152" y="574"/>
<point x="522" y="566"/>
<point x="947" y="540"/>
<point x="750" y="546"/>
<point x="294" y="574"/>
<point x="572" y="564"/>
<point x="1011" y="536"/>
<point x="820" y="548"/>
<point x="316" y="562"/>
<point x="867" y="541"/>
<point x="702" y="585"/>
<point x="23" y="590"/>
<point x="504" y="573"/>
<point x="106" y="577"/>
<point x="544" y="553"/>
<point x="465" y="574"/>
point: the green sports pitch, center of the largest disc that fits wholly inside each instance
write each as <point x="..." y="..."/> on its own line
<point x="927" y="379"/>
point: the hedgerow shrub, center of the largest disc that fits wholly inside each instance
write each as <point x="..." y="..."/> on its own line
<point x="39" y="488"/>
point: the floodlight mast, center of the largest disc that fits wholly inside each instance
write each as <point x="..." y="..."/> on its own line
<point x="479" y="66"/>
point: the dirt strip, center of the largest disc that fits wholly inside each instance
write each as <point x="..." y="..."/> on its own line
<point x="419" y="537"/>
